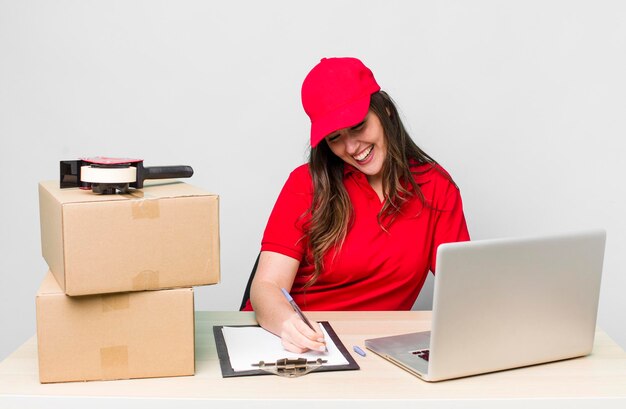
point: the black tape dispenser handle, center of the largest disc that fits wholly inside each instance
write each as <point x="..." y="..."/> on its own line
<point x="167" y="172"/>
<point x="161" y="172"/>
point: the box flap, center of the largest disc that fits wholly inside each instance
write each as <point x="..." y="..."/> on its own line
<point x="49" y="286"/>
<point x="153" y="189"/>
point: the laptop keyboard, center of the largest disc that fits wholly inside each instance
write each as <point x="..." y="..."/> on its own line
<point x="422" y="353"/>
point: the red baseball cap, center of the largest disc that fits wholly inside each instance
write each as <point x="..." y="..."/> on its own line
<point x="336" y="94"/>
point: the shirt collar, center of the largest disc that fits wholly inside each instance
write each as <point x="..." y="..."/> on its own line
<point x="348" y="169"/>
<point x="422" y="177"/>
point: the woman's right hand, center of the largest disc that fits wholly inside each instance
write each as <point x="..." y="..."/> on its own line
<point x="297" y="337"/>
<point x="276" y="271"/>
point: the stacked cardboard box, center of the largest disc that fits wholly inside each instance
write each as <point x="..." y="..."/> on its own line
<point x="117" y="302"/>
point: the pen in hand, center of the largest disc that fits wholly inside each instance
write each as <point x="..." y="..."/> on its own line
<point x="298" y="310"/>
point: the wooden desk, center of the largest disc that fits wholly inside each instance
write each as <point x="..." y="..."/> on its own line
<point x="598" y="380"/>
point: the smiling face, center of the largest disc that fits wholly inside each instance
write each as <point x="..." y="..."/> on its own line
<point x="363" y="146"/>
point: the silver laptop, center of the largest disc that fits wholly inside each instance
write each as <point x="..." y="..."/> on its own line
<point x="506" y="303"/>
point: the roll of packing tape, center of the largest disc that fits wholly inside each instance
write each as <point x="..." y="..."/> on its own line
<point x="108" y="175"/>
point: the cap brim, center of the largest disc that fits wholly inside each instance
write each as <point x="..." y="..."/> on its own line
<point x="343" y="117"/>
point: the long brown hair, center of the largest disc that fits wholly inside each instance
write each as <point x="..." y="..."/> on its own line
<point x="331" y="209"/>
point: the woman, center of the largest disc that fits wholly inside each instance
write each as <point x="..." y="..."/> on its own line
<point x="357" y="228"/>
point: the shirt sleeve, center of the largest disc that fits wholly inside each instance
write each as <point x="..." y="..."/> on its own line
<point x="284" y="232"/>
<point x="450" y="225"/>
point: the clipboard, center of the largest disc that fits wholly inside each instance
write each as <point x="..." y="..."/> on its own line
<point x="227" y="367"/>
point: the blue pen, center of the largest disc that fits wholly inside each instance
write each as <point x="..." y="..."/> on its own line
<point x="296" y="308"/>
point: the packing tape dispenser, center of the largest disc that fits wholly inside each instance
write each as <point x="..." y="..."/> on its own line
<point x="111" y="175"/>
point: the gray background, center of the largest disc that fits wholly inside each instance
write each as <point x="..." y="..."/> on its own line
<point x="522" y="102"/>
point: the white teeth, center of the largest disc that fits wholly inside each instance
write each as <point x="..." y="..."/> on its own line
<point x="364" y="154"/>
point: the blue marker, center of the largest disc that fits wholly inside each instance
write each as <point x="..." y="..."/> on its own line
<point x="359" y="350"/>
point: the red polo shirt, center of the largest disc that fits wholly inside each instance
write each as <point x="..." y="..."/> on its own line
<point x="375" y="269"/>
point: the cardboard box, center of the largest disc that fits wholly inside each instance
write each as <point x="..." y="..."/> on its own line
<point x="114" y="336"/>
<point x="165" y="235"/>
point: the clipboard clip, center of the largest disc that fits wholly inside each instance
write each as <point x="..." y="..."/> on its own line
<point x="290" y="368"/>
